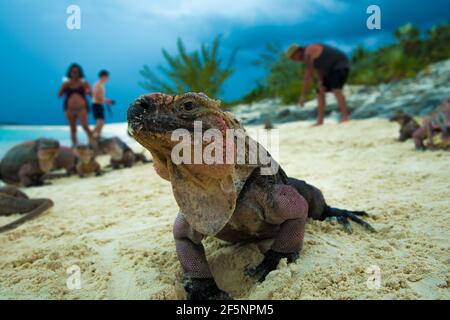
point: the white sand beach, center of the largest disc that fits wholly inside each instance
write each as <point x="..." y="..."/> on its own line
<point x="118" y="228"/>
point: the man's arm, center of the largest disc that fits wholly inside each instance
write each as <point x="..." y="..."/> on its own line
<point x="308" y="76"/>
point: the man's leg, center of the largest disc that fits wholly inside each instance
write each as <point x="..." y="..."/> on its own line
<point x="342" y="103"/>
<point x="99" y="115"/>
<point x="98" y="128"/>
<point x="321" y="102"/>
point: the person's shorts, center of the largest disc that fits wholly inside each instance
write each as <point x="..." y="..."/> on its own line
<point x="336" y="79"/>
<point x="99" y="111"/>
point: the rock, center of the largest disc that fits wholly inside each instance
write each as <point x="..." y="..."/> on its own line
<point x="283" y="114"/>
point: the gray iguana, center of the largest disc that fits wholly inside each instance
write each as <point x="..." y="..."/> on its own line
<point x="407" y="125"/>
<point x="233" y="202"/>
<point x="14" y="201"/>
<point x="87" y="164"/>
<point x="121" y="154"/>
<point x="27" y="163"/>
<point x="66" y="159"/>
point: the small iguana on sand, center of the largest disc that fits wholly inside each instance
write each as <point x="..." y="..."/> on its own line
<point x="66" y="159"/>
<point x="27" y="163"/>
<point x="86" y="162"/>
<point x="438" y="122"/>
<point x="233" y="202"/>
<point x="407" y="125"/>
<point x="14" y="201"/>
<point x="121" y="154"/>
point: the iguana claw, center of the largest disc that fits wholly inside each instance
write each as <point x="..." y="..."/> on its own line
<point x="269" y="263"/>
<point x="343" y="217"/>
<point x="204" y="289"/>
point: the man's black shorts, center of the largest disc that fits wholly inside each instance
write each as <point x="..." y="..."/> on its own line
<point x="98" y="110"/>
<point x="335" y="79"/>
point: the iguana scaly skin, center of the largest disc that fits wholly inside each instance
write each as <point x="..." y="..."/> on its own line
<point x="121" y="154"/>
<point x="13" y="201"/>
<point x="233" y="202"/>
<point x="407" y="125"/>
<point x="27" y="163"/>
<point x="66" y="159"/>
<point x="87" y="164"/>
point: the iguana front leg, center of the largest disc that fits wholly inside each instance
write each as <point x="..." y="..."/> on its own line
<point x="27" y="176"/>
<point x="199" y="282"/>
<point x="290" y="236"/>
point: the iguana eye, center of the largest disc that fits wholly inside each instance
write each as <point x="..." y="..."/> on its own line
<point x="187" y="106"/>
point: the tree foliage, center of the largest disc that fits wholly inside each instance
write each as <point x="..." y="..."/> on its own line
<point x="410" y="54"/>
<point x="201" y="71"/>
<point x="283" y="77"/>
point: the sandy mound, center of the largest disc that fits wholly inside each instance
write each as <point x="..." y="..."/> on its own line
<point x="117" y="228"/>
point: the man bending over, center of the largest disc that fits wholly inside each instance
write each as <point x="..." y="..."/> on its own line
<point x="331" y="67"/>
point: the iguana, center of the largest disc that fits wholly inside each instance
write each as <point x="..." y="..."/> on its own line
<point x="437" y="122"/>
<point x="86" y="162"/>
<point x="27" y="163"/>
<point x="233" y="202"/>
<point x="407" y="125"/>
<point x="66" y="159"/>
<point x="121" y="154"/>
<point x="13" y="201"/>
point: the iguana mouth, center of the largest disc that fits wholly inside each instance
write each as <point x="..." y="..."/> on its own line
<point x="144" y="118"/>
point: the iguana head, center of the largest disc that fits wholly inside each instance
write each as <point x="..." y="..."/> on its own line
<point x="111" y="147"/>
<point x="206" y="193"/>
<point x="46" y="150"/>
<point x="400" y="117"/>
<point x="85" y="153"/>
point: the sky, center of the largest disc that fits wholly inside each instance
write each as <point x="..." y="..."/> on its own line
<point x="123" y="35"/>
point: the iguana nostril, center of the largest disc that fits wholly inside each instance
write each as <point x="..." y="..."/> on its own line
<point x="139" y="107"/>
<point x="146" y="104"/>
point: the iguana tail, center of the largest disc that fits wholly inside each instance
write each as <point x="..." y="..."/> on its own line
<point x="343" y="215"/>
<point x="42" y="207"/>
<point x="320" y="210"/>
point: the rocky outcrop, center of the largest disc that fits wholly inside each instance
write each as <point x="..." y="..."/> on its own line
<point x="418" y="96"/>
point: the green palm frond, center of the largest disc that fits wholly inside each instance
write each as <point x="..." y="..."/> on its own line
<point x="201" y="70"/>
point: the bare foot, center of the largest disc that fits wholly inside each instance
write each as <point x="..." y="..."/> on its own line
<point x="316" y="124"/>
<point x="344" y="120"/>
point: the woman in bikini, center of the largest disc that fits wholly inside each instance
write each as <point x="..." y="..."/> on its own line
<point x="75" y="102"/>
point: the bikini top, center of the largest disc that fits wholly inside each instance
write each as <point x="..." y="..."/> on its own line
<point x="70" y="91"/>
